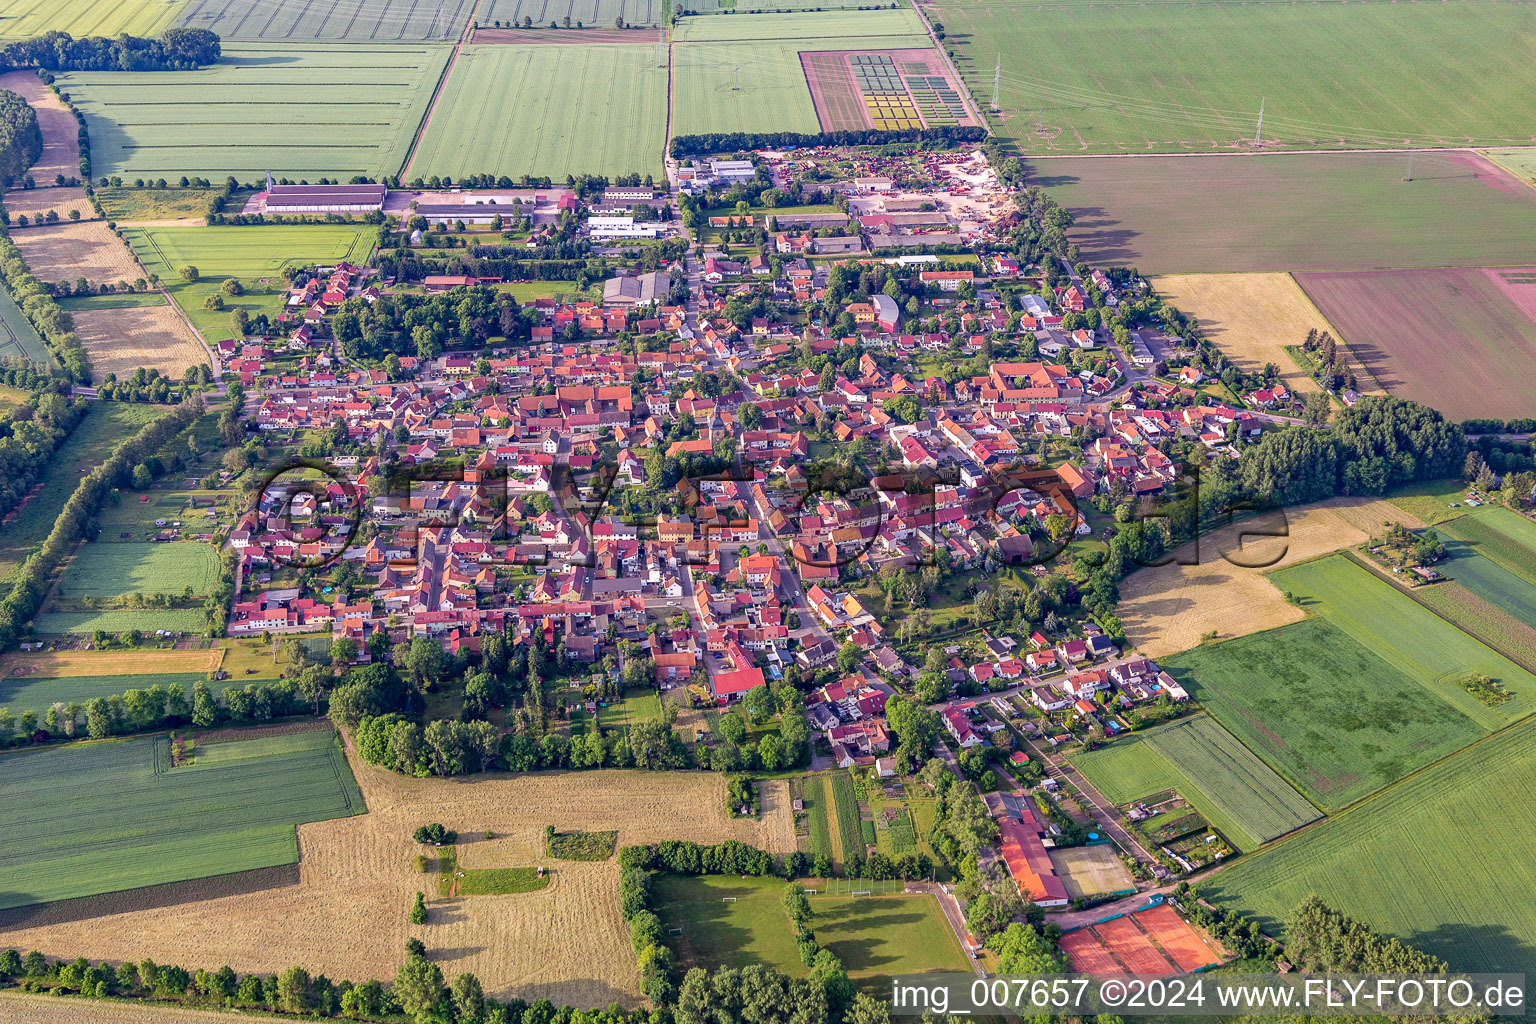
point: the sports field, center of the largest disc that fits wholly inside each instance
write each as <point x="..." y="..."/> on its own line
<point x="355" y="21"/>
<point x="731" y="921"/>
<point x="22" y="19"/>
<point x="1250" y="317"/>
<point x="1410" y="638"/>
<point x="39" y="693"/>
<point x="1238" y="793"/>
<point x="1436" y="861"/>
<point x="588" y="13"/>
<point x="17" y="337"/>
<point x="547" y="111"/>
<point x="1192" y="77"/>
<point x="256" y="255"/>
<point x="242" y="116"/>
<point x="1491" y="314"/>
<point x="102" y="817"/>
<point x="1327" y="714"/>
<point x="1504" y="536"/>
<point x="736" y="87"/>
<point x="1173" y="215"/>
<point x="107" y="570"/>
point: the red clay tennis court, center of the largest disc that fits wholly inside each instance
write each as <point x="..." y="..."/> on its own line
<point x="1176" y="937"/>
<point x="1133" y="948"/>
<point x="1087" y="954"/>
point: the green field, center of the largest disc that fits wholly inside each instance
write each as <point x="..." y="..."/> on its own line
<point x="121" y="620"/>
<point x="1238" y="793"/>
<point x="1489" y="579"/>
<point x="591" y="13"/>
<point x="102" y="817"/>
<point x="846" y="804"/>
<point x="1410" y="638"/>
<point x="637" y="706"/>
<point x="874" y="936"/>
<point x="117" y="300"/>
<point x="93" y="438"/>
<point x="1437" y="861"/>
<point x="125" y="203"/>
<point x="108" y="570"/>
<point x="1430" y="501"/>
<point x="39" y="693"/>
<point x="1521" y="162"/>
<point x="358" y="21"/>
<point x="1335" y="720"/>
<point x="1504" y="536"/>
<point x="566" y="119"/>
<point x="18" y="339"/>
<point x="238" y="117"/>
<point x="848" y="28"/>
<point x="255" y="255"/>
<point x="817" y="802"/>
<point x="22" y="19"/>
<point x="772" y="97"/>
<point x="1168" y="215"/>
<point x="1191" y="77"/>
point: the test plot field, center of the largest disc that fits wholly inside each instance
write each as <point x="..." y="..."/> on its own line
<point x="886" y="89"/>
<point x="113" y="816"/>
<point x="548" y="111"/>
<point x="1191" y="77"/>
<point x="1462" y="341"/>
<point x="240" y="117"/>
<point x="355" y="21"/>
<point x="1343" y="211"/>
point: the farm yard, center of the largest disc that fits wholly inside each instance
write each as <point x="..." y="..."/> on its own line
<point x="235" y="118"/>
<point x="119" y="816"/>
<point x="254" y="254"/>
<point x="1432" y="861"/>
<point x="120" y="339"/>
<point x="353" y="21"/>
<point x="1250" y="317"/>
<point x="66" y="252"/>
<point x="1490" y="313"/>
<point x="1213" y="214"/>
<point x="347" y="918"/>
<point x="21" y="19"/>
<point x="875" y="936"/>
<point x="1280" y="693"/>
<point x="1238" y="793"/>
<point x="564" y="117"/>
<point x="1170" y="608"/>
<point x="591" y="14"/>
<point x="1065" y="99"/>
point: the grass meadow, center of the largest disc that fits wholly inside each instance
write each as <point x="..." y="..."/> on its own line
<point x="1191" y="78"/>
<point x="1489" y="578"/>
<point x="1436" y="861"/>
<point x="122" y="620"/>
<point x="39" y="693"/>
<point x="239" y="117"/>
<point x="566" y="117"/>
<point x="23" y="19"/>
<point x="1238" y="793"/>
<point x="1174" y="215"/>
<point x="1331" y="717"/>
<point x="256" y="255"/>
<point x="637" y="706"/>
<point x="299" y="21"/>
<point x="846" y="804"/>
<point x="1413" y="640"/>
<point x="18" y="338"/>
<point x="874" y="936"/>
<point x="107" y="570"/>
<point x="101" y="817"/>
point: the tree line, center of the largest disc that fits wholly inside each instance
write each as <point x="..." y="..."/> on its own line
<point x="55" y="326"/>
<point x="175" y="49"/>
<point x="30" y="435"/>
<point x="21" y="141"/>
<point x="78" y="518"/>
<point x="730" y="142"/>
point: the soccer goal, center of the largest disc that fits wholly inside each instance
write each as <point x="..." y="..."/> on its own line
<point x="727" y="899"/>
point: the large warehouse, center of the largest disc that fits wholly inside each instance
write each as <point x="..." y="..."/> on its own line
<point x="342" y="199"/>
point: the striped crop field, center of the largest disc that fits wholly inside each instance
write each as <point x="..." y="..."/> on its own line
<point x="1504" y="536"/>
<point x="23" y="19"/>
<point x="355" y="21"/>
<point x="847" y="802"/>
<point x="1436" y="861"/>
<point x="815" y="802"/>
<point x="254" y="112"/>
<point x="18" y="339"/>
<point x="1238" y="793"/>
<point x="103" y="817"/>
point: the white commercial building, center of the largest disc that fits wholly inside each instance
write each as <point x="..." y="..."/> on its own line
<point x="732" y="170"/>
<point x="621" y="227"/>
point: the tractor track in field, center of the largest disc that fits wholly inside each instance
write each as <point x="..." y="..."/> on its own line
<point x="465" y="35"/>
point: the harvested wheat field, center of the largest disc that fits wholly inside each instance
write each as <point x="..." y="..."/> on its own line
<point x="348" y="916"/>
<point x="35" y="203"/>
<point x="61" y="132"/>
<point x="1167" y="609"/>
<point x="1250" y="317"/>
<point x="109" y="663"/>
<point x="122" y="340"/>
<point x="67" y="252"/>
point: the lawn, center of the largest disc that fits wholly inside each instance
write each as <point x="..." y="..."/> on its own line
<point x="102" y="817"/>
<point x="1504" y="536"/>
<point x="104" y="570"/>
<point x="238" y="116"/>
<point x="874" y="936"/>
<point x="255" y="255"/>
<point x="1173" y="215"/>
<point x="1191" y="78"/>
<point x="1238" y="793"/>
<point x="23" y="19"/>
<point x="1436" y="861"/>
<point x="1430" y="501"/>
<point x="1409" y="637"/>
<point x="358" y="21"/>
<point x="1331" y="717"/>
<point x="565" y="119"/>
<point x="39" y="693"/>
<point x="642" y="705"/>
<point x="18" y="339"/>
<point x="122" y="620"/>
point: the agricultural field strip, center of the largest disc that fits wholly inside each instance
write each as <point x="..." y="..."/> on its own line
<point x="110" y="18"/>
<point x="847" y="804"/>
<point x="868" y="27"/>
<point x="107" y="569"/>
<point x="1504" y="536"/>
<point x="304" y="21"/>
<point x="38" y="693"/>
